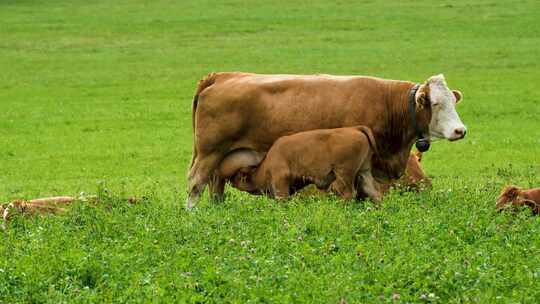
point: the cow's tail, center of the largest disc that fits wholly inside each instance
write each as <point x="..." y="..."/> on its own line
<point x="203" y="84"/>
<point x="369" y="134"/>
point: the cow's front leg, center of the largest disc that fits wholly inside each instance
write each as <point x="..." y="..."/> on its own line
<point x="369" y="187"/>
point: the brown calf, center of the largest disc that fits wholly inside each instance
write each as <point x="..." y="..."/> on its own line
<point x="519" y="197"/>
<point x="237" y="166"/>
<point x="47" y="205"/>
<point x="341" y="157"/>
<point x="39" y="206"/>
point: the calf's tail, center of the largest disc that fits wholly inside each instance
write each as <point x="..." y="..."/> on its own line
<point x="369" y="134"/>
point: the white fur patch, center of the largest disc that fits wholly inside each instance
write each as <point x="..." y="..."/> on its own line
<point x="445" y="122"/>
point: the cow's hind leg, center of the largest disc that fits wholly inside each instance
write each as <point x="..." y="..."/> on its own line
<point x="199" y="175"/>
<point x="216" y="188"/>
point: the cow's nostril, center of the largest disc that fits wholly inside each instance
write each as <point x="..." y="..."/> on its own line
<point x="460" y="132"/>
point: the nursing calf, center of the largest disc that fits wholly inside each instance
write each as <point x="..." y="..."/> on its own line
<point x="341" y="157"/>
<point x="239" y="165"/>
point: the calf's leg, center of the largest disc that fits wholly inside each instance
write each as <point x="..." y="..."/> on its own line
<point x="325" y="182"/>
<point x="280" y="187"/>
<point x="344" y="184"/>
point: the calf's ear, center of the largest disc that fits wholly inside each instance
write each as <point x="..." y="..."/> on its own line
<point x="458" y="95"/>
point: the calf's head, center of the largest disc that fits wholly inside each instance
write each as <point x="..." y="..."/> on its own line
<point x="445" y="122"/>
<point x="243" y="179"/>
<point x="508" y="195"/>
<point x="513" y="195"/>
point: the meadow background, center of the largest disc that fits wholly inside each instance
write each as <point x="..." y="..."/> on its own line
<point x="95" y="97"/>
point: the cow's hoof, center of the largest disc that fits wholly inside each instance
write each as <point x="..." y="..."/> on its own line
<point x="217" y="198"/>
<point x="190" y="204"/>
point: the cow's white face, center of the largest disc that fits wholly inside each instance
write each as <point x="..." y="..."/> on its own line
<point x="445" y="122"/>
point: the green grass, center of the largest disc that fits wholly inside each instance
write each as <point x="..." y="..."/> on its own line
<point x="97" y="94"/>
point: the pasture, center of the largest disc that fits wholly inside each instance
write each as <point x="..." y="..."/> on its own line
<point x="95" y="97"/>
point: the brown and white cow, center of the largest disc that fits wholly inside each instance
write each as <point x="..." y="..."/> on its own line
<point x="243" y="111"/>
<point x="515" y="196"/>
<point x="341" y="157"/>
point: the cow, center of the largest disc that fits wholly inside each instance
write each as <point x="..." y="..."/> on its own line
<point x="234" y="111"/>
<point x="515" y="196"/>
<point x="341" y="157"/>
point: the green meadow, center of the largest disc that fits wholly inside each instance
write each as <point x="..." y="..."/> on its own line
<point x="95" y="97"/>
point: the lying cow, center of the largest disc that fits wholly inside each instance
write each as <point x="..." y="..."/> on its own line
<point x="340" y="156"/>
<point x="48" y="205"/>
<point x="241" y="111"/>
<point x="39" y="206"/>
<point x="512" y="195"/>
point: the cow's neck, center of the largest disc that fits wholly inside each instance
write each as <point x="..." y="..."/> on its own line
<point x="397" y="134"/>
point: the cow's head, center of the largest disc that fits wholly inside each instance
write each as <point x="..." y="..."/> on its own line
<point x="445" y="122"/>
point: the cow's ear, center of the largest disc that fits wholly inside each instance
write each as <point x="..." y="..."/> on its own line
<point x="423" y="96"/>
<point x="423" y="99"/>
<point x="458" y="95"/>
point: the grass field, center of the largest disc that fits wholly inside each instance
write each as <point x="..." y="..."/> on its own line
<point x="95" y="97"/>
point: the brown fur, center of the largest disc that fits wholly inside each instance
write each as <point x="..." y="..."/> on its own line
<point x="52" y="201"/>
<point x="41" y="206"/>
<point x="47" y="205"/>
<point x="250" y="111"/>
<point x="319" y="157"/>
<point x="203" y="84"/>
<point x="515" y="196"/>
<point x="414" y="177"/>
<point x="238" y="165"/>
<point x="414" y="174"/>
